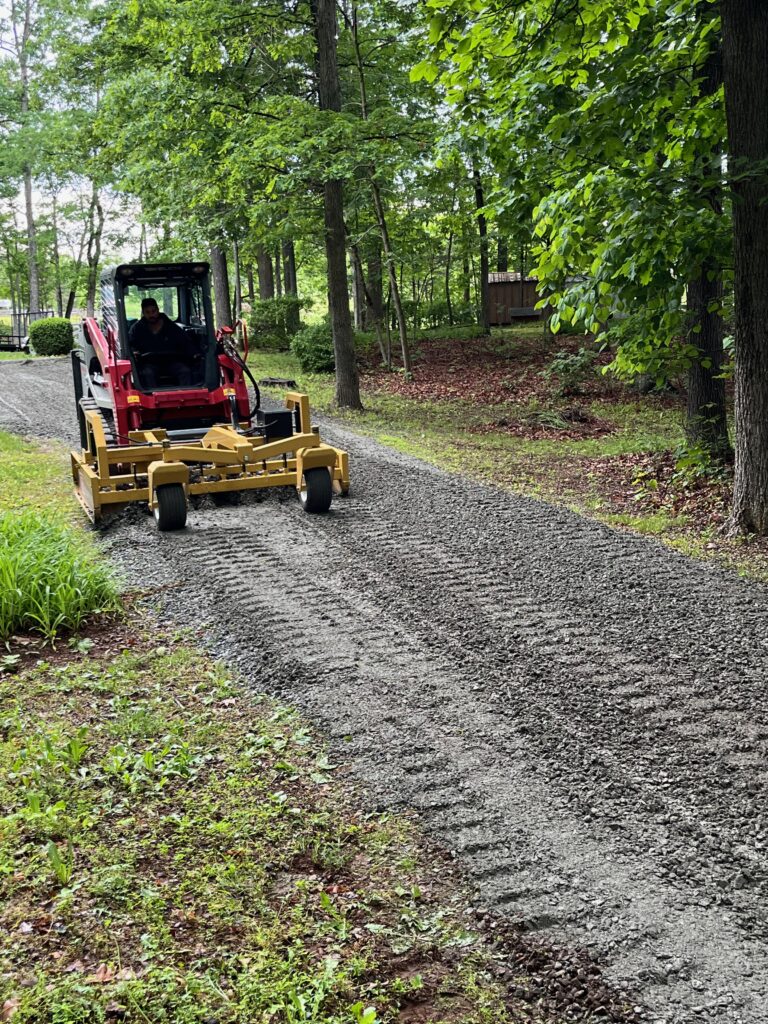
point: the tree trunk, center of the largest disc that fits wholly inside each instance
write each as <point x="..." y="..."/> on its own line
<point x="238" y="305"/>
<point x="389" y="259"/>
<point x="220" y="286"/>
<point x="266" y="277"/>
<point x="278" y="274"/>
<point x="358" y="292"/>
<point x="251" y="288"/>
<point x="57" y="258"/>
<point x="22" y="33"/>
<point x="448" y="279"/>
<point x="329" y="95"/>
<point x="367" y="304"/>
<point x="502" y="255"/>
<point x="375" y="282"/>
<point x="293" y="318"/>
<point x="745" y="44"/>
<point x="94" y="253"/>
<point x="289" y="268"/>
<point x="482" y="226"/>
<point x="706" y="420"/>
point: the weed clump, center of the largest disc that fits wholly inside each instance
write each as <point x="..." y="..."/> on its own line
<point x="50" y="578"/>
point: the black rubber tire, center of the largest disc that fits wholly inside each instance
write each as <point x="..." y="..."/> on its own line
<point x="171" y="511"/>
<point x="317" y="490"/>
<point x="77" y="381"/>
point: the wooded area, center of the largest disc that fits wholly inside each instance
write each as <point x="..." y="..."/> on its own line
<point x="614" y="151"/>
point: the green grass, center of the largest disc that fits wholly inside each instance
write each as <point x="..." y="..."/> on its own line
<point x="51" y="577"/>
<point x="35" y="475"/>
<point x="174" y="851"/>
<point x="10" y="355"/>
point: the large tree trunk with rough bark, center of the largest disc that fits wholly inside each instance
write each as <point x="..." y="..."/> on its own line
<point x="745" y="45"/>
<point x="266" y="276"/>
<point x="220" y="277"/>
<point x="329" y="95"/>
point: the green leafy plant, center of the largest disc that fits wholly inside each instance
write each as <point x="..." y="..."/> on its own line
<point x="51" y="579"/>
<point x="273" y="322"/>
<point x="62" y="866"/>
<point x="313" y="347"/>
<point x="572" y="369"/>
<point x="51" y="337"/>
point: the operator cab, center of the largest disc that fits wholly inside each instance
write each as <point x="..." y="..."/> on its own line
<point x="184" y="355"/>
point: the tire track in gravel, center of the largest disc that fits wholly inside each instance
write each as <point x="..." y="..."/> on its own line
<point x="579" y="714"/>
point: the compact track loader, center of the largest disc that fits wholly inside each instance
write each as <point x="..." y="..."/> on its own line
<point x="159" y="426"/>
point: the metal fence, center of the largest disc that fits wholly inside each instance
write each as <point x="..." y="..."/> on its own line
<point x="16" y="341"/>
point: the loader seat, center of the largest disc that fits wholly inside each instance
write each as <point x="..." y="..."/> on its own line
<point x="194" y="366"/>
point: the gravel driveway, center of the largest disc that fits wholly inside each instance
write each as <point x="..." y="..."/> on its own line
<point x="579" y="714"/>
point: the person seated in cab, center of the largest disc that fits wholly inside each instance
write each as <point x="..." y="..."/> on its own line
<point x="160" y="347"/>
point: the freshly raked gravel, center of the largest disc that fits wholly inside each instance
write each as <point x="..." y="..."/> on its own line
<point x="581" y="715"/>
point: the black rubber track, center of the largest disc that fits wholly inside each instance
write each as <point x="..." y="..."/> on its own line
<point x="580" y="714"/>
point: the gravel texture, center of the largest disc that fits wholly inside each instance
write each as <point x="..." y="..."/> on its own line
<point x="581" y="715"/>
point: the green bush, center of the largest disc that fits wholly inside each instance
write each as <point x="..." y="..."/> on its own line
<point x="51" y="337"/>
<point x="313" y="347"/>
<point x="572" y="369"/>
<point x="51" y="578"/>
<point x="5" y="330"/>
<point x="273" y="322"/>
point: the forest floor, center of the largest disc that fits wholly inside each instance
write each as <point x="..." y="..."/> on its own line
<point x="527" y="412"/>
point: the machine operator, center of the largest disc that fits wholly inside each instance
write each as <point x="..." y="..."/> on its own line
<point x="161" y="348"/>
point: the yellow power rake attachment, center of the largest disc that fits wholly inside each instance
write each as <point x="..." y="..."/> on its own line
<point x="164" y="472"/>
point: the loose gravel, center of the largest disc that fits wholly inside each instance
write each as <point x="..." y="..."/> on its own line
<point x="580" y="715"/>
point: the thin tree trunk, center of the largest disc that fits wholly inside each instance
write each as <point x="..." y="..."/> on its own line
<point x="94" y="253"/>
<point x="278" y="274"/>
<point x="220" y="286"/>
<point x="293" y="317"/>
<point x="745" y="44"/>
<point x="358" y="292"/>
<point x="706" y="422"/>
<point x="251" y="287"/>
<point x="482" y="226"/>
<point x="238" y="305"/>
<point x="57" y="259"/>
<point x="329" y="95"/>
<point x="378" y="207"/>
<point x="502" y="255"/>
<point x="367" y="302"/>
<point x="448" y="279"/>
<point x="466" y="292"/>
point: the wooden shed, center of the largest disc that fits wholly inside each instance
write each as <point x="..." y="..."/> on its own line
<point x="513" y="298"/>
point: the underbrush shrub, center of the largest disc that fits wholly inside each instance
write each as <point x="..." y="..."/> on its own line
<point x="273" y="322"/>
<point x="51" y="577"/>
<point x="5" y="331"/>
<point x="51" y="337"/>
<point x="313" y="347"/>
<point x="572" y="370"/>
